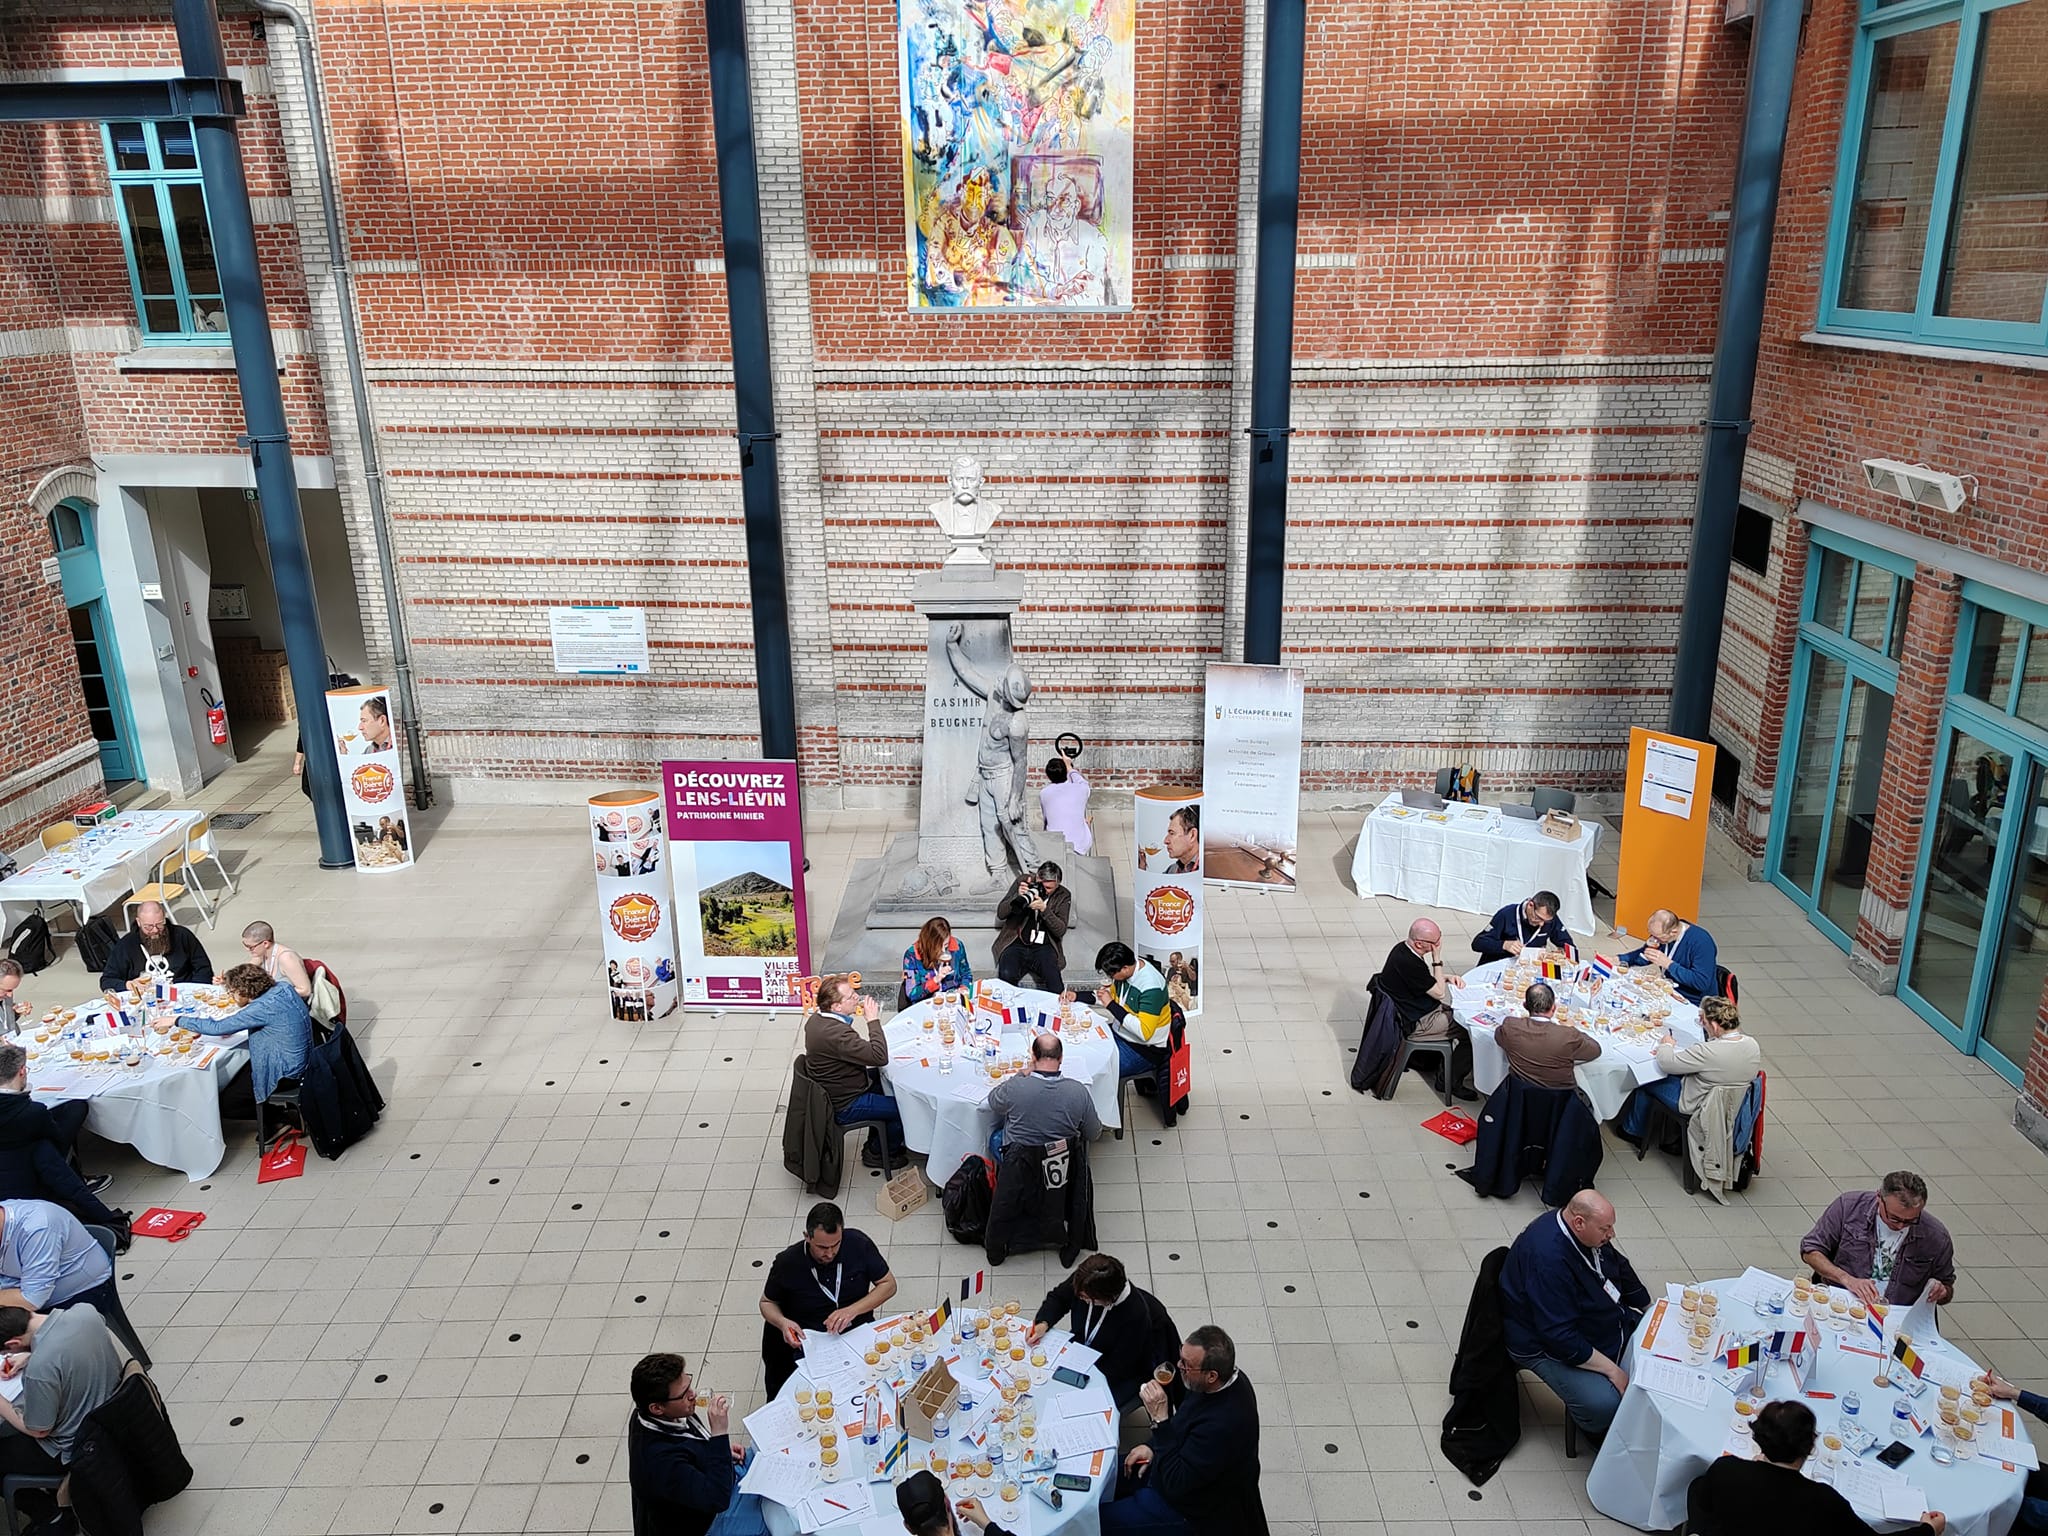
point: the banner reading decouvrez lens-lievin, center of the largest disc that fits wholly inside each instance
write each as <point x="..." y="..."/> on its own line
<point x="1251" y="774"/>
<point x="1166" y="916"/>
<point x="736" y="856"/>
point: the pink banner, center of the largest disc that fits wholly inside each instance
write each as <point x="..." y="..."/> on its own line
<point x="736" y="855"/>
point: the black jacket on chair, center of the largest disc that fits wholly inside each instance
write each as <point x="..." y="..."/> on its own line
<point x="1485" y="1419"/>
<point x="813" y="1143"/>
<point x="1025" y="1214"/>
<point x="1524" y="1130"/>
<point x="1379" y="1047"/>
<point x="338" y="1099"/>
<point x="1205" y="1461"/>
<point x="125" y="1459"/>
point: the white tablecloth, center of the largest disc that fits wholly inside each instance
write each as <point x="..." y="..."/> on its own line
<point x="1477" y="861"/>
<point x="170" y="1114"/>
<point x="1028" y="1516"/>
<point x="1659" y="1444"/>
<point x="100" y="865"/>
<point x="1607" y="1081"/>
<point x="946" y="1116"/>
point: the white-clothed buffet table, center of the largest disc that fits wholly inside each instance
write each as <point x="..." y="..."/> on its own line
<point x="1677" y="1416"/>
<point x="1075" y="1431"/>
<point x="1473" y="858"/>
<point x="945" y="1113"/>
<point x="1625" y="1014"/>
<point x="100" y="865"/>
<point x="142" y="1087"/>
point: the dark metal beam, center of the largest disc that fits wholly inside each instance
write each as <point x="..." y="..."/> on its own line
<point x="746" y="304"/>
<point x="269" y="437"/>
<point x="1265" y="565"/>
<point x="1773" y="61"/>
<point x="96" y="101"/>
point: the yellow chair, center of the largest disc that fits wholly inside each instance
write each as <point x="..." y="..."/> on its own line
<point x="199" y="851"/>
<point x="59" y="835"/>
<point x="166" y="891"/>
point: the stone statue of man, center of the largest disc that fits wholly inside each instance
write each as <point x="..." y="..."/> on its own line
<point x="966" y="520"/>
<point x="999" y="760"/>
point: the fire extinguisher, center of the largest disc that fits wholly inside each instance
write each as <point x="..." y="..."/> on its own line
<point x="216" y="717"/>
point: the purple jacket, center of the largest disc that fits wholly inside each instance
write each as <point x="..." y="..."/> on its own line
<point x="1846" y="1234"/>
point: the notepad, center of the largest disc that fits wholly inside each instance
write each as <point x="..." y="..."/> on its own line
<point x="1681" y="1383"/>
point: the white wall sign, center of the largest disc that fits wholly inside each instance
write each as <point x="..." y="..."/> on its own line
<point x="599" y="641"/>
<point x="1670" y="777"/>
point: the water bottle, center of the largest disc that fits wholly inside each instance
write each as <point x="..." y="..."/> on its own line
<point x="945" y="1059"/>
<point x="871" y="1418"/>
<point x="1851" y="1404"/>
<point x="996" y="1457"/>
<point x="1902" y="1413"/>
<point x="917" y="1361"/>
<point x="942" y="1434"/>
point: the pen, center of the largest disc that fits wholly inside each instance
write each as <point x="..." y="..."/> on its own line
<point x="1829" y="1396"/>
<point x="837" y="1505"/>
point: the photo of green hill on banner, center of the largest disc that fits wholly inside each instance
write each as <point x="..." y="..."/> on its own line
<point x="736" y="855"/>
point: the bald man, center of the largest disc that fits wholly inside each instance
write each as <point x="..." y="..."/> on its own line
<point x="1681" y="950"/>
<point x="1420" y="988"/>
<point x="1568" y="1303"/>
<point x="155" y="949"/>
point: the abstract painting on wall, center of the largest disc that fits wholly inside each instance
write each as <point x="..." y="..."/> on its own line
<point x="1017" y="153"/>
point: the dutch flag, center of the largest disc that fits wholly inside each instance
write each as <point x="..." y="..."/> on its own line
<point x="1602" y="966"/>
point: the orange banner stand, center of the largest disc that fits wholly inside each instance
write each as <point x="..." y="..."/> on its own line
<point x="1663" y="827"/>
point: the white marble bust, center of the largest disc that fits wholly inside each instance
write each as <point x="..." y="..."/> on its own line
<point x="965" y="517"/>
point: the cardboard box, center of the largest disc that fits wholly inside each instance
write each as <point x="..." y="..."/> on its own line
<point x="1562" y="825"/>
<point x="904" y="1193"/>
<point x="933" y="1393"/>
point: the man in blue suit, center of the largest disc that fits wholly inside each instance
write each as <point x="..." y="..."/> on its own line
<point x="1521" y="925"/>
<point x="1683" y="951"/>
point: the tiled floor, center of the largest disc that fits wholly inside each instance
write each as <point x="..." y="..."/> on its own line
<point x="434" y="1333"/>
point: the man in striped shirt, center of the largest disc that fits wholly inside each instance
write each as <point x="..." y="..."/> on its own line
<point x="1135" y="995"/>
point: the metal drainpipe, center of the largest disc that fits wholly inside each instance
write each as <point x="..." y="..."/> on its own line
<point x="352" y="351"/>
<point x="1773" y="60"/>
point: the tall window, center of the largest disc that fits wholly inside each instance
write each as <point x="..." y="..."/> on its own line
<point x="162" y="211"/>
<point x="1940" y="228"/>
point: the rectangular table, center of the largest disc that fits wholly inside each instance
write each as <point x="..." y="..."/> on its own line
<point x="100" y="865"/>
<point x="1473" y="858"/>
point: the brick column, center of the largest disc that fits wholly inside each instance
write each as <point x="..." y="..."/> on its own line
<point x="1902" y="797"/>
<point x="1756" y="786"/>
<point x="2031" y="1113"/>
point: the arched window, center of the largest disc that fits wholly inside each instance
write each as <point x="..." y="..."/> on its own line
<point x="70" y="526"/>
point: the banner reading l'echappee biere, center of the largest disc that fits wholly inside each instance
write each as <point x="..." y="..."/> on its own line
<point x="633" y="901"/>
<point x="372" y="783"/>
<point x="736" y="855"/>
<point x="1251" y="774"/>
<point x="1166" y="909"/>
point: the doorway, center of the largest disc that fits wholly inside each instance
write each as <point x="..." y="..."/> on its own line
<point x="73" y="537"/>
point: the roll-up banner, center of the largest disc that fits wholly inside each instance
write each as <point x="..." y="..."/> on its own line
<point x="1251" y="774"/>
<point x="633" y="904"/>
<point x="1167" y="885"/>
<point x="372" y="782"/>
<point x="736" y="855"/>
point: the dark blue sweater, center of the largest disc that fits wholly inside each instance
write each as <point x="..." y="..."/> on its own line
<point x="1692" y="963"/>
<point x="1552" y="1302"/>
<point x="680" y="1481"/>
<point x="1508" y="923"/>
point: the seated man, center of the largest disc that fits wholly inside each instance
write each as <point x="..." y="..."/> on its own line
<point x="13" y="1011"/>
<point x="1881" y="1245"/>
<point x="1681" y="950"/>
<point x="279" y="963"/>
<point x="684" y="1471"/>
<point x="35" y="1145"/>
<point x="1568" y="1303"/>
<point x="280" y="1036"/>
<point x="2033" y="1519"/>
<point x="1064" y="805"/>
<point x="1201" y="1470"/>
<point x="1727" y="1058"/>
<point x="1530" y="924"/>
<point x="1738" y="1496"/>
<point x="1033" y="920"/>
<point x="1135" y="995"/>
<point x="68" y="1365"/>
<point x="1414" y="978"/>
<point x="156" y="948"/>
<point x="844" y="1064"/>
<point x="1538" y="1048"/>
<point x="49" y="1260"/>
<point x="1036" y="1106"/>
<point x="831" y="1281"/>
<point x="1129" y="1327"/>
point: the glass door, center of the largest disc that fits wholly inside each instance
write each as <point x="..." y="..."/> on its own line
<point x="2019" y="959"/>
<point x="1829" y="809"/>
<point x="1956" y="889"/>
<point x="89" y="642"/>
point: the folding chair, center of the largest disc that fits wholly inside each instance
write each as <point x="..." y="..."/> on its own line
<point x="58" y="835"/>
<point x="165" y="890"/>
<point x="199" y="851"/>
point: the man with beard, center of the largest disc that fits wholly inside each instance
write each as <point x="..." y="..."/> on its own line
<point x="1065" y="258"/>
<point x="157" y="949"/>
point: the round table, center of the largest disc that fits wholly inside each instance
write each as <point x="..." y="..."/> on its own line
<point x="1028" y="1516"/>
<point x="946" y="1115"/>
<point x="168" y="1108"/>
<point x="1659" y="1444"/>
<point x="1482" y="1005"/>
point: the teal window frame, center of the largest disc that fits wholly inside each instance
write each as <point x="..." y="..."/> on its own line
<point x="1885" y="19"/>
<point x="161" y="179"/>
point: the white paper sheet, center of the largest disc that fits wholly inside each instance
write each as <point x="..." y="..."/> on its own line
<point x="11" y="1388"/>
<point x="1670" y="777"/>
<point x="779" y="1476"/>
<point x="833" y="1504"/>
<point x="774" y="1426"/>
<point x="1755" y="1285"/>
<point x="1871" y="1488"/>
<point x="1679" y="1382"/>
<point x="1081" y="1436"/>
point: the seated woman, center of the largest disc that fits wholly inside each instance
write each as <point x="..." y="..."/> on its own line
<point x="280" y="1035"/>
<point x="936" y="963"/>
<point x="278" y="963"/>
<point x="1727" y="1058"/>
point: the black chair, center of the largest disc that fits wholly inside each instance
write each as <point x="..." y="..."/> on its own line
<point x="1542" y="800"/>
<point x="1446" y="782"/>
<point x="1410" y="1048"/>
<point x="1515" y="811"/>
<point x="1525" y="1130"/>
<point x="15" y="1484"/>
<point x="1725" y="984"/>
<point x="110" y="1305"/>
<point x="1041" y="1201"/>
<point x="1667" y="1127"/>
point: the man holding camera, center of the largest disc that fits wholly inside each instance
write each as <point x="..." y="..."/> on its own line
<point x="1033" y="920"/>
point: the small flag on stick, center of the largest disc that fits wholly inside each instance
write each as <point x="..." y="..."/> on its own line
<point x="1909" y="1357"/>
<point x="973" y="1284"/>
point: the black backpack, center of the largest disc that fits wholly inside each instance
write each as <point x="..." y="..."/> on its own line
<point x="966" y="1199"/>
<point x="338" y="1099"/>
<point x="96" y="941"/>
<point x="29" y="946"/>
